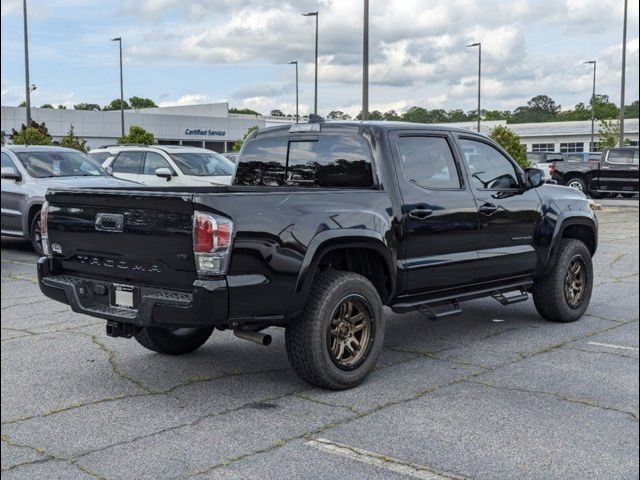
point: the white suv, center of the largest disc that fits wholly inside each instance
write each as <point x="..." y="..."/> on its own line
<point x="166" y="165"/>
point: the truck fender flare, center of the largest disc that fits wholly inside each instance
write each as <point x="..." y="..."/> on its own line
<point x="567" y="219"/>
<point x="328" y="240"/>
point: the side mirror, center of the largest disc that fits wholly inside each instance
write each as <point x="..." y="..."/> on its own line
<point x="109" y="170"/>
<point x="164" y="173"/>
<point x="534" y="177"/>
<point x="10" y="173"/>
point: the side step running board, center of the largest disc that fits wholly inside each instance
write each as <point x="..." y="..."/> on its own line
<point x="522" y="296"/>
<point x="437" y="308"/>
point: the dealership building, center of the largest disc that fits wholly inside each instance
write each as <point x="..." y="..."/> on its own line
<point x="212" y="126"/>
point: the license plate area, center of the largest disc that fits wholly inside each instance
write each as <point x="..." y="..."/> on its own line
<point x="125" y="296"/>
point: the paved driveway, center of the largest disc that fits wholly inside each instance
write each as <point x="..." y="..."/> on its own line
<point x="494" y="393"/>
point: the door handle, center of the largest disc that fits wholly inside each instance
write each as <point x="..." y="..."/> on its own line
<point x="488" y="208"/>
<point x="420" y="213"/>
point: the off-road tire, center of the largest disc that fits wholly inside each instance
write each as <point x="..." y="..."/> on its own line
<point x="549" y="294"/>
<point x="35" y="235"/>
<point x="307" y="340"/>
<point x="173" y="341"/>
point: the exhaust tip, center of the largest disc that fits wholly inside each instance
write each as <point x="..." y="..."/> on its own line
<point x="255" y="337"/>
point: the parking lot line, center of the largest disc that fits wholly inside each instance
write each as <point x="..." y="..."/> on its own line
<point x="608" y="345"/>
<point x="377" y="460"/>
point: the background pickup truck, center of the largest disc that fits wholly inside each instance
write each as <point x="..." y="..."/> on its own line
<point x="325" y="224"/>
<point x="615" y="172"/>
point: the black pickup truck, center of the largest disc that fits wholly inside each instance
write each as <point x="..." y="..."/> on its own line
<point x="324" y="225"/>
<point x="614" y="172"/>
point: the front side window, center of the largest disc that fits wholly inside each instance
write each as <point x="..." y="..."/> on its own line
<point x="209" y="164"/>
<point x="6" y="161"/>
<point x="490" y="169"/>
<point x="154" y="161"/>
<point x="428" y="162"/>
<point x="44" y="164"/>
<point x="128" y="162"/>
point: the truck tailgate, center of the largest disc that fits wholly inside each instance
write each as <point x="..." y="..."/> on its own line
<point x="127" y="235"/>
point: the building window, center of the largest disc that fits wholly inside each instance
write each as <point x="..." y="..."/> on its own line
<point x="595" y="147"/>
<point x="571" y="147"/>
<point x="543" y="147"/>
<point x="633" y="143"/>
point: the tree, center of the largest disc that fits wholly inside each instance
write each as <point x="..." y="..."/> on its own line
<point x="62" y="107"/>
<point x="87" y="106"/>
<point x="608" y="133"/>
<point x="540" y="108"/>
<point x="139" y="102"/>
<point x="244" y="111"/>
<point x="497" y="115"/>
<point x="34" y="134"/>
<point x="71" y="140"/>
<point x="46" y="105"/>
<point x="115" y="105"/>
<point x="391" y="116"/>
<point x="510" y="141"/>
<point x="238" y="145"/>
<point x="631" y="111"/>
<point x="603" y="108"/>
<point x="22" y="104"/>
<point x="338" y="115"/>
<point x="138" y="135"/>
<point x="277" y="113"/>
<point x="416" y="115"/>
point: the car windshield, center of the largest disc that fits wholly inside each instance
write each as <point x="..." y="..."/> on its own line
<point x="209" y="164"/>
<point x="45" y="164"/>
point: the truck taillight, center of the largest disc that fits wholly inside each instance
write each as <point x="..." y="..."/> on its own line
<point x="212" y="238"/>
<point x="44" y="228"/>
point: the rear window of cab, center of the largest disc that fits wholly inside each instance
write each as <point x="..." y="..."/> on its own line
<point x="321" y="161"/>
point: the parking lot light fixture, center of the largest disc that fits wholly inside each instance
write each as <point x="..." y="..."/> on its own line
<point x="28" y="90"/>
<point x="479" y="45"/>
<point x="593" y="100"/>
<point x="365" y="63"/>
<point x="294" y="62"/>
<point x="119" y="40"/>
<point x="315" y="94"/>
<point x="623" y="72"/>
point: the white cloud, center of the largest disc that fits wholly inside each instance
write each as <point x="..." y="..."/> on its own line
<point x="189" y="99"/>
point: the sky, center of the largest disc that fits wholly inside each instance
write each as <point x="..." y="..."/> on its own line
<point x="182" y="52"/>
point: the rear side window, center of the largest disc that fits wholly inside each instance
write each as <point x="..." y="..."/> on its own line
<point x="623" y="157"/>
<point x="100" y="156"/>
<point x="6" y="161"/>
<point x="428" y="162"/>
<point x="324" y="161"/>
<point x="128" y="162"/>
<point x="153" y="161"/>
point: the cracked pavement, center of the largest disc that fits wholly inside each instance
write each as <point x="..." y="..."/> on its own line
<point x="496" y="392"/>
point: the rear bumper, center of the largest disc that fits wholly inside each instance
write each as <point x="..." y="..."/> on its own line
<point x="206" y="305"/>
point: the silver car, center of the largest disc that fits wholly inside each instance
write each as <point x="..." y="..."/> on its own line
<point x="27" y="172"/>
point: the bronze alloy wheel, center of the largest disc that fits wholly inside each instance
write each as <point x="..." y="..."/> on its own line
<point x="351" y="331"/>
<point x="575" y="282"/>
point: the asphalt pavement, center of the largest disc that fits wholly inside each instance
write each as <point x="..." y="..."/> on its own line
<point x="494" y="393"/>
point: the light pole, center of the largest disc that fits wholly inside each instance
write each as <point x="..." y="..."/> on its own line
<point x="365" y="63"/>
<point x="624" y="64"/>
<point x="119" y="40"/>
<point x="479" y="45"/>
<point x="296" y="64"/>
<point x="593" y="101"/>
<point x="27" y="100"/>
<point x="315" y="95"/>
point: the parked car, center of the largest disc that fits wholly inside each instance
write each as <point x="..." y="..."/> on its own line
<point x="615" y="172"/>
<point x="168" y="165"/>
<point x="27" y="172"/>
<point x="544" y="161"/>
<point x="325" y="224"/>
<point x="233" y="156"/>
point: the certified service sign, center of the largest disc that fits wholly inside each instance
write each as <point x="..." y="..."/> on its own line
<point x="205" y="132"/>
